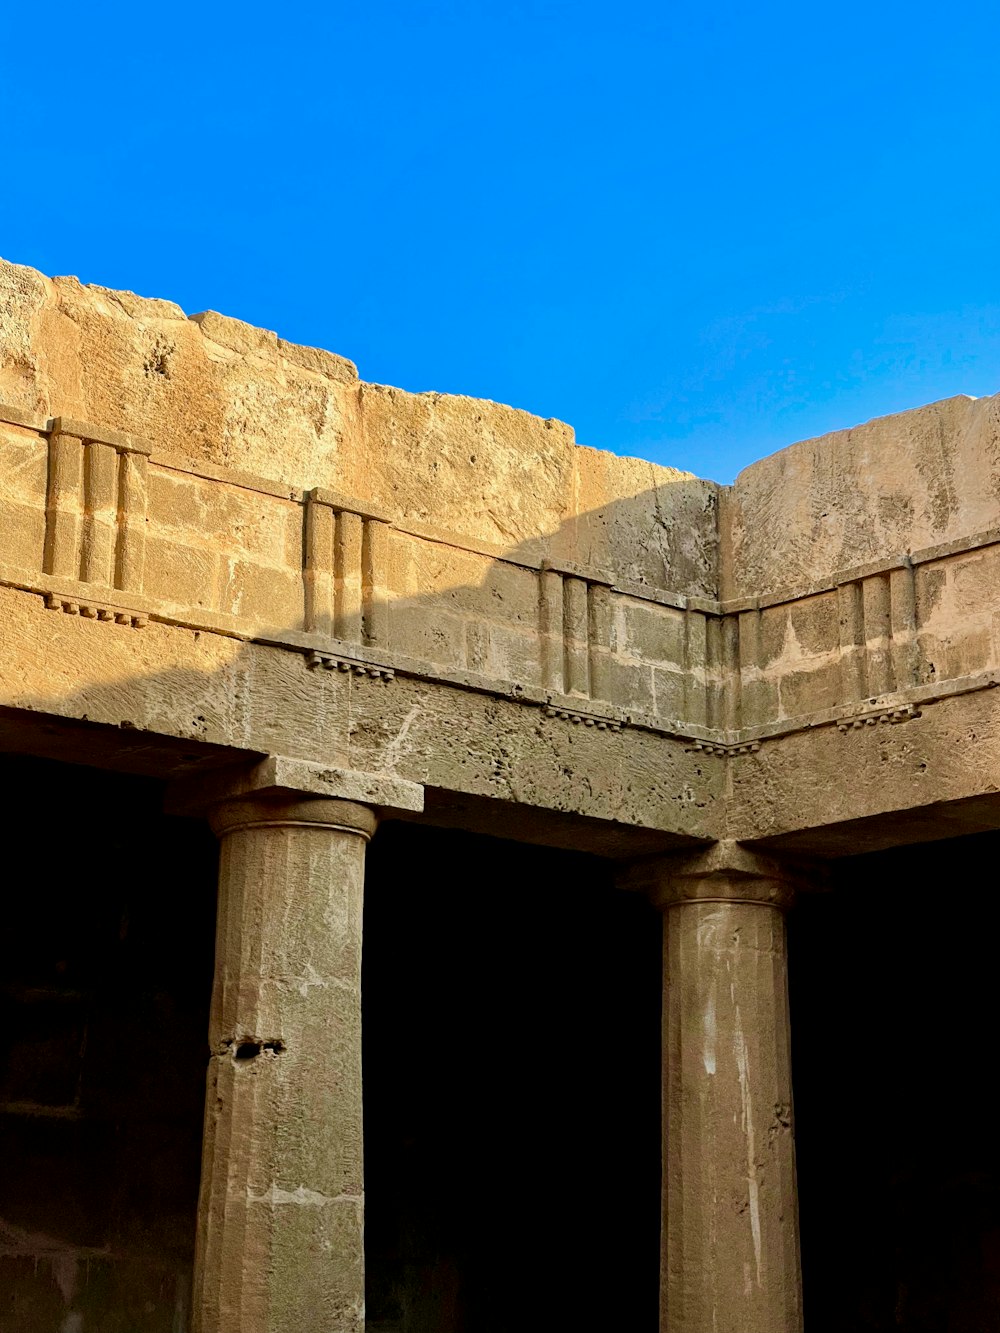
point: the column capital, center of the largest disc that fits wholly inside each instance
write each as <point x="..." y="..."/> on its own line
<point x="281" y="808"/>
<point x="724" y="871"/>
<point x="283" y="779"/>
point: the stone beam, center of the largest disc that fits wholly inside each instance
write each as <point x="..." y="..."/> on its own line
<point x="837" y="793"/>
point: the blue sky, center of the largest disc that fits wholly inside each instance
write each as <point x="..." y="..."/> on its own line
<point x="696" y="232"/>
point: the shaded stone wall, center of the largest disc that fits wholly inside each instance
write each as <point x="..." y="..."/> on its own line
<point x="105" y="970"/>
<point x="218" y="549"/>
<point x="512" y="1064"/>
<point x="214" y="393"/>
<point x="893" y="986"/>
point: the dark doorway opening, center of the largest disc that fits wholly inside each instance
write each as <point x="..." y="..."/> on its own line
<point x="105" y="976"/>
<point x="894" y="984"/>
<point x="512" y="1089"/>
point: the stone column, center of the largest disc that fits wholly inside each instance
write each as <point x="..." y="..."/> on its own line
<point x="281" y="1213"/>
<point x="730" y="1251"/>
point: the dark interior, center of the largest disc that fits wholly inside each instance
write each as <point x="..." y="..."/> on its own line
<point x="894" y="1000"/>
<point x="105" y="976"/>
<point x="512" y="1089"/>
<point x="511" y="1004"/>
<point x="511" y="1001"/>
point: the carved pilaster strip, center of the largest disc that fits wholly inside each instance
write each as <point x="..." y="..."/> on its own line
<point x="753" y="696"/>
<point x="575" y="635"/>
<point x="881" y="677"/>
<point x="903" y="612"/>
<point x="713" y="672"/>
<point x="318" y="566"/>
<point x="599" y="636"/>
<point x="731" y="682"/>
<point x="345" y="571"/>
<point x="695" y="665"/>
<point x="63" y="505"/>
<point x="100" y="513"/>
<point x="550" y="628"/>
<point x="850" y="608"/>
<point x="133" y="506"/>
<point x="96" y="505"/>
<point x="477" y="646"/>
<point x="347" y="577"/>
<point x="375" y="581"/>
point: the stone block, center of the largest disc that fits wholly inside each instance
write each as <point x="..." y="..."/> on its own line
<point x="860" y="495"/>
<point x="22" y="535"/>
<point x="315" y="712"/>
<point x="810" y="690"/>
<point x="814" y="623"/>
<point x="648" y="524"/>
<point x="647" y="632"/>
<point x="491" y="472"/>
<point x="974" y="582"/>
<point x="759" y="701"/>
<point x="509" y="595"/>
<point x="514" y="655"/>
<point x="668" y="693"/>
<point x="261" y="595"/>
<point x="774" y="630"/>
<point x="23" y="465"/>
<point x="630" y="685"/>
<point x="931" y="583"/>
<point x="181" y="576"/>
<point x="961" y="653"/>
<point x="228" y="518"/>
<point x="428" y="632"/>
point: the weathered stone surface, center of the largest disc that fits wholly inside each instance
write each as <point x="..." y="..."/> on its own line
<point x="226" y="556"/>
<point x="282" y="1196"/>
<point x="728" y="1158"/>
<point x="210" y="389"/>
<point x="893" y="485"/>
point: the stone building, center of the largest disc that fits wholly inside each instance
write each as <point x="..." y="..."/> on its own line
<point x="588" y="732"/>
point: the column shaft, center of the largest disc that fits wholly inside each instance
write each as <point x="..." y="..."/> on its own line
<point x="280" y="1235"/>
<point x="730" y="1260"/>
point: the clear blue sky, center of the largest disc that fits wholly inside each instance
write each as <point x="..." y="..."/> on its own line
<point x="697" y="232"/>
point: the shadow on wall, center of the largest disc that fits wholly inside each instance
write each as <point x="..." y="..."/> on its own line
<point x="896" y="1144"/>
<point x="220" y="701"/>
<point x="510" y="633"/>
<point x="171" y="701"/>
<point x="105" y="968"/>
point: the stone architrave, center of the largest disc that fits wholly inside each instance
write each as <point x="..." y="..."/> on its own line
<point x="730" y="1245"/>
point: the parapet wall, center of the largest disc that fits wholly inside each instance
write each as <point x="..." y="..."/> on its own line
<point x="893" y="486"/>
<point x="210" y="393"/>
<point x="865" y="562"/>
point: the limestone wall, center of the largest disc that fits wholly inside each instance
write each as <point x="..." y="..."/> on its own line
<point x="207" y="472"/>
<point x="209" y="390"/>
<point x="864" y="563"/>
<point x="206" y="475"/>
<point x="895" y="485"/>
<point x="107" y="525"/>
